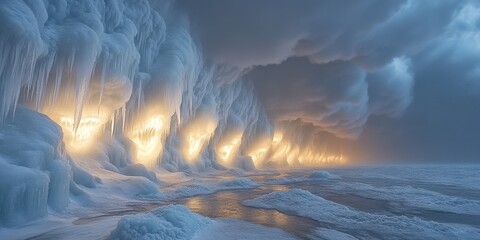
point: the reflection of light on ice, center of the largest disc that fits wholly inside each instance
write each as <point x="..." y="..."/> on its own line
<point x="147" y="139"/>
<point x="81" y="136"/>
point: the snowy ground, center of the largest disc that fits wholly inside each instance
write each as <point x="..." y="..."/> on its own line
<point x="381" y="202"/>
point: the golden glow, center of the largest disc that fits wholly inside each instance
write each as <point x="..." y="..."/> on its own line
<point x="195" y="136"/>
<point x="82" y="136"/>
<point x="228" y="150"/>
<point x="195" y="144"/>
<point x="147" y="137"/>
<point x="316" y="159"/>
<point x="277" y="138"/>
<point x="286" y="153"/>
<point x="258" y="155"/>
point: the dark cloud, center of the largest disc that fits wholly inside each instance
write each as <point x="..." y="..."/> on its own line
<point x="247" y="33"/>
<point x="337" y="97"/>
<point x="337" y="64"/>
<point x="442" y="123"/>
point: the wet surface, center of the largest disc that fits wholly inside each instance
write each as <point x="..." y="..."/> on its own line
<point x="227" y="204"/>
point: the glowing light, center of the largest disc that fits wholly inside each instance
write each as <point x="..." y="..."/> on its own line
<point x="147" y="137"/>
<point x="258" y="155"/>
<point x="227" y="151"/>
<point x="81" y="136"/>
<point x="195" y="144"/>
<point x="196" y="135"/>
<point x="277" y="138"/>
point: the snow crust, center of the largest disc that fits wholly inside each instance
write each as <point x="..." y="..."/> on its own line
<point x="304" y="203"/>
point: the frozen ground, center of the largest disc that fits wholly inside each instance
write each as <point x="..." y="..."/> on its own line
<point x="381" y="202"/>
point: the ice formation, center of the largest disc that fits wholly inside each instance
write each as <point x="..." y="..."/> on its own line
<point x="133" y="91"/>
<point x="171" y="222"/>
<point x="34" y="170"/>
<point x="132" y="68"/>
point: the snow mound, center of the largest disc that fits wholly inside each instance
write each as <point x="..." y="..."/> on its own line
<point x="285" y="181"/>
<point x="304" y="203"/>
<point x="322" y="174"/>
<point x="238" y="183"/>
<point x="34" y="171"/>
<point x="139" y="170"/>
<point x="200" y="188"/>
<point x="174" y="222"/>
<point x="136" y="187"/>
<point x="191" y="190"/>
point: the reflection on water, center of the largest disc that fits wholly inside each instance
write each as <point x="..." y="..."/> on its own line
<point x="227" y="204"/>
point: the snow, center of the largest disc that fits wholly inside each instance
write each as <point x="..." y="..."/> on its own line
<point x="207" y="187"/>
<point x="139" y="170"/>
<point x="226" y="228"/>
<point x="408" y="196"/>
<point x="323" y="175"/>
<point x="177" y="222"/>
<point x="237" y="184"/>
<point x="174" y="222"/>
<point x="34" y="172"/>
<point x="304" y="203"/>
<point x="291" y="178"/>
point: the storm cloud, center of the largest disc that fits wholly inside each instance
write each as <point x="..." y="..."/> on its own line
<point x="337" y="64"/>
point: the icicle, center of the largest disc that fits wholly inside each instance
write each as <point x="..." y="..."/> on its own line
<point x="102" y="81"/>
<point x="112" y="124"/>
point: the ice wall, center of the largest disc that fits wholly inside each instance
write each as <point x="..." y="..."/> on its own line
<point x="132" y="74"/>
<point x="34" y="170"/>
<point x="130" y="68"/>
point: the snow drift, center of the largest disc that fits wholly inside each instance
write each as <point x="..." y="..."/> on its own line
<point x="171" y="222"/>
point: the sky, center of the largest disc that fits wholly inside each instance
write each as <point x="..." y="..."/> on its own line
<point x="392" y="80"/>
